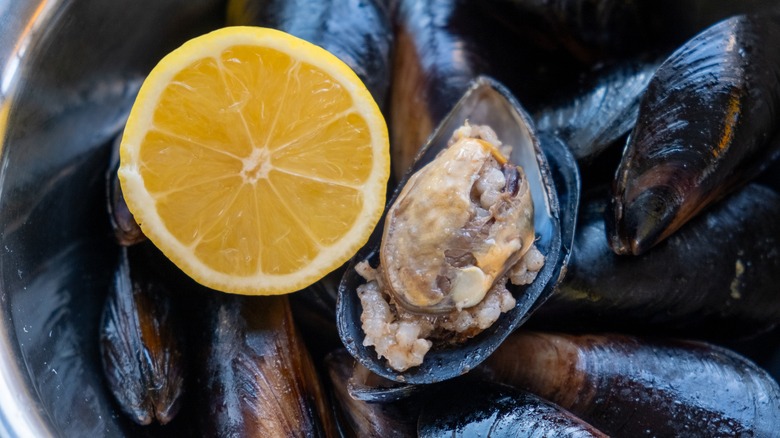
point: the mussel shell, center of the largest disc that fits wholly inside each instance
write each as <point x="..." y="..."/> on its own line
<point x="486" y="102"/>
<point x="126" y="230"/>
<point x="141" y="343"/>
<point x="715" y="277"/>
<point x="630" y="386"/>
<point x="257" y="377"/>
<point x="442" y="46"/>
<point x="360" y="418"/>
<point x="480" y="408"/>
<point x="607" y="29"/>
<point x="602" y="111"/>
<point x="707" y="124"/>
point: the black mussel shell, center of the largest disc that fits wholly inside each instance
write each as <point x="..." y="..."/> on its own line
<point x="707" y="124"/>
<point x="630" y="386"/>
<point x="126" y="230"/>
<point x="602" y="110"/>
<point x="482" y="408"/>
<point x="486" y="102"/>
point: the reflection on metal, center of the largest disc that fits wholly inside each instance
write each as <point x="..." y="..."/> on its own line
<point x="69" y="71"/>
<point x="12" y="61"/>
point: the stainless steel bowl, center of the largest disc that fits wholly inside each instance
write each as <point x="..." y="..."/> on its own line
<point x="69" y="73"/>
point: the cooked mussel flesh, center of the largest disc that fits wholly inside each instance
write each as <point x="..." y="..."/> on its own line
<point x="437" y="211"/>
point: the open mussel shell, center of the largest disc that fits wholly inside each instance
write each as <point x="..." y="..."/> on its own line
<point x="488" y="103"/>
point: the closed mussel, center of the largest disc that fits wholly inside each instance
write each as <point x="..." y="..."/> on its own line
<point x="258" y="379"/>
<point x="628" y="386"/>
<point x="707" y="124"/>
<point x="141" y="343"/>
<point x="716" y="277"/>
<point x="477" y="408"/>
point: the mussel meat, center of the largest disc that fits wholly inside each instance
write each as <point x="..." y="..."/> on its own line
<point x="395" y="323"/>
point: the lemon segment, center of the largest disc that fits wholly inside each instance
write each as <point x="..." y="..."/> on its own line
<point x="255" y="161"/>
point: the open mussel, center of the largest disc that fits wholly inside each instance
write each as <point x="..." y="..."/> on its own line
<point x="486" y="103"/>
<point x="707" y="123"/>
<point x="629" y="386"/>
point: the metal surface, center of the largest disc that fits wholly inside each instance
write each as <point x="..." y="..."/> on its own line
<point x="69" y="71"/>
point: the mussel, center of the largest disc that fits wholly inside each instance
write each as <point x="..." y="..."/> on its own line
<point x="716" y="277"/>
<point x="357" y="31"/>
<point x="126" y="230"/>
<point x="358" y="418"/>
<point x="628" y="386"/>
<point x="441" y="47"/>
<point x="707" y="123"/>
<point x="141" y="343"/>
<point x="485" y="103"/>
<point x="258" y="379"/>
<point x="602" y="111"/>
<point x="481" y="408"/>
<point x="602" y="29"/>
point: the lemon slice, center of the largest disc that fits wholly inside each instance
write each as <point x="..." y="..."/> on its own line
<point x="256" y="161"/>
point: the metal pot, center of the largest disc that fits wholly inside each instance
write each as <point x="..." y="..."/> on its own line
<point x="70" y="70"/>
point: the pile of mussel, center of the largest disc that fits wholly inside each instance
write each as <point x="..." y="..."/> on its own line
<point x="648" y="132"/>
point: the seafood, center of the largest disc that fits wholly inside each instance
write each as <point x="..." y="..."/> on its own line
<point x="603" y="111"/>
<point x="140" y="343"/>
<point x="477" y="213"/>
<point x="126" y="230"/>
<point x="441" y="47"/>
<point x="628" y="386"/>
<point x="489" y="104"/>
<point x="478" y="408"/>
<point x="706" y="124"/>
<point x="258" y="378"/>
<point x="251" y="342"/>
<point x="357" y="31"/>
<point x="716" y="277"/>
<point x="360" y="418"/>
<point x="599" y="29"/>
